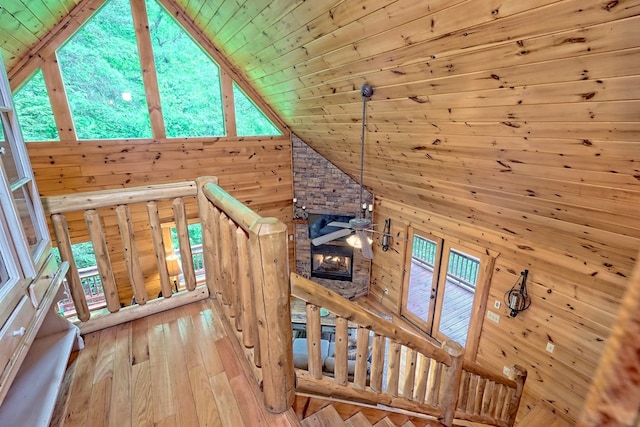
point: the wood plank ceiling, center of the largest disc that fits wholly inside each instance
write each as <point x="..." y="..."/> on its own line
<point x="513" y="125"/>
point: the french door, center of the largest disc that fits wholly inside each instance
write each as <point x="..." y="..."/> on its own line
<point x="445" y="285"/>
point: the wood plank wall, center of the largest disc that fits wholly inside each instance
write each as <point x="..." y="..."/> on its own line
<point x="255" y="170"/>
<point x="512" y="125"/>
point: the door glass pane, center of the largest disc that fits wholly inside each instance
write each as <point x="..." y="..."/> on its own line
<point x="26" y="215"/>
<point x="421" y="279"/>
<point x="8" y="159"/>
<point x="462" y="277"/>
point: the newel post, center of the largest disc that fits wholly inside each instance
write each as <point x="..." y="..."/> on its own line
<point x="519" y="376"/>
<point x="453" y="374"/>
<point x="270" y="271"/>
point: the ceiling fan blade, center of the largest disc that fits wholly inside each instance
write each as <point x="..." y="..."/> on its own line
<point x="367" y="251"/>
<point x="331" y="236"/>
<point x="339" y="224"/>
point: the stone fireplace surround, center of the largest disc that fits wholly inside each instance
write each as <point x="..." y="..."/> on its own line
<point x="324" y="189"/>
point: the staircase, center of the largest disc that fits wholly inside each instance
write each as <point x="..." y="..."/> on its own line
<point x="318" y="411"/>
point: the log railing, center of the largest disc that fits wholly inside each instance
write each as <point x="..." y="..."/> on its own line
<point x="395" y="367"/>
<point x="89" y="206"/>
<point x="245" y="259"/>
<point x="246" y="267"/>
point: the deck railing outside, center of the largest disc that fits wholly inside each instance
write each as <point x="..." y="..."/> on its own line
<point x="462" y="270"/>
<point x="94" y="293"/>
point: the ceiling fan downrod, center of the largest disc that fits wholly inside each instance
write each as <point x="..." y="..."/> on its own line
<point x="367" y="92"/>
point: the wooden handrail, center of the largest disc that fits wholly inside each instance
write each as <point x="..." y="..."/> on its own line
<point x="121" y="196"/>
<point x="310" y="292"/>
<point x="238" y="212"/>
<point x="476" y="369"/>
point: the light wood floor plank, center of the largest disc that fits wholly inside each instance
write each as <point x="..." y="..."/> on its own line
<point x="139" y="341"/>
<point x="205" y="402"/>
<point x="120" y="409"/>
<point x="179" y="374"/>
<point x="224" y="397"/>
<point x="161" y="386"/>
<point x="177" y="368"/>
<point x="142" y="409"/>
<point x="77" y="411"/>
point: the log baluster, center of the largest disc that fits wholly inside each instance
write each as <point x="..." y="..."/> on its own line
<point x="269" y="247"/>
<point x="451" y="381"/>
<point x="314" y="346"/>
<point x="101" y="252"/>
<point x="342" y="345"/>
<point x="420" y="391"/>
<point x="520" y="376"/>
<point x="393" y="368"/>
<point x="463" y="394"/>
<point x="411" y="359"/>
<point x="159" y="249"/>
<point x="245" y="290"/>
<point x="131" y="256"/>
<point x="471" y="398"/>
<point x="377" y="362"/>
<point x="73" y="278"/>
<point x="433" y="385"/>
<point x="209" y="241"/>
<point x="225" y="271"/>
<point x="182" y="229"/>
<point x="362" y="356"/>
<point x="233" y="273"/>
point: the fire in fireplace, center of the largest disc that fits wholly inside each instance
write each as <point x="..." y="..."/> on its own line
<point x="332" y="261"/>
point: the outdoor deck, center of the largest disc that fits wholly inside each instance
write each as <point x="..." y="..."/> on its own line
<point x="456" y="307"/>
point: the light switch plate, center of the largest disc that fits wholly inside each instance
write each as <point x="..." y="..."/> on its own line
<point x="493" y="316"/>
<point x="550" y="347"/>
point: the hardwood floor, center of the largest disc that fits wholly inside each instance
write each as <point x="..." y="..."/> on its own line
<point x="177" y="368"/>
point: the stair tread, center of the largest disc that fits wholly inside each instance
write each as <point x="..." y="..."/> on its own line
<point x="326" y="417"/>
<point x="357" y="420"/>
<point x="408" y="424"/>
<point x="385" y="422"/>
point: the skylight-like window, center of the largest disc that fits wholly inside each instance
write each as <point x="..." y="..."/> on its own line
<point x="34" y="110"/>
<point x="189" y="80"/>
<point x="103" y="79"/>
<point x="250" y="121"/>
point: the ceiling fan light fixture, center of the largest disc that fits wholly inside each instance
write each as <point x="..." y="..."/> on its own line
<point x="355" y="241"/>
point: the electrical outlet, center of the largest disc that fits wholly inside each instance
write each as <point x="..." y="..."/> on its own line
<point x="291" y="237"/>
<point x="386" y="291"/>
<point x="550" y="347"/>
<point x="506" y="371"/>
<point x="493" y="316"/>
<point x="496" y="304"/>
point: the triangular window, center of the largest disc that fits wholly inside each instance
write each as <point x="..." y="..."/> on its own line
<point x="189" y="80"/>
<point x="103" y="79"/>
<point x="34" y="110"/>
<point x="250" y="121"/>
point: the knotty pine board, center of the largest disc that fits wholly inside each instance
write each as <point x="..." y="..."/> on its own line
<point x="255" y="170"/>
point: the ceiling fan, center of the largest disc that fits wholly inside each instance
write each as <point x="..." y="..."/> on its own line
<point x="359" y="225"/>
